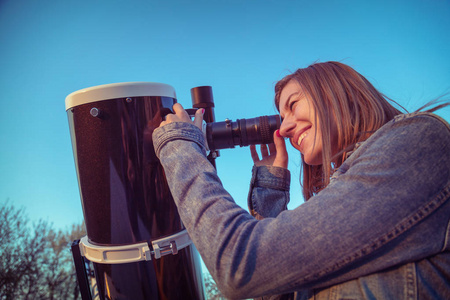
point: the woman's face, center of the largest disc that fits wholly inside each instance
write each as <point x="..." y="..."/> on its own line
<point x="299" y="123"/>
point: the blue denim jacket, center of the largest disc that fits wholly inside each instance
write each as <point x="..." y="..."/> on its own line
<point x="379" y="230"/>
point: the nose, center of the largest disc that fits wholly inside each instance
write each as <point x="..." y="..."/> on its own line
<point x="286" y="127"/>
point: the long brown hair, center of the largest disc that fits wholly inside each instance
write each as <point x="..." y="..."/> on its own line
<point x="338" y="93"/>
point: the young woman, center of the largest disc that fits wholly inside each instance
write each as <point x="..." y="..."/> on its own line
<point x="377" y="221"/>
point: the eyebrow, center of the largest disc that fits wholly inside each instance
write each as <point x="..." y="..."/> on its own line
<point x="286" y="104"/>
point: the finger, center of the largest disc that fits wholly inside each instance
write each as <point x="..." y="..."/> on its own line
<point x="272" y="148"/>
<point x="198" y="119"/>
<point x="281" y="158"/>
<point x="177" y="107"/>
<point x="264" y="151"/>
<point x="180" y="112"/>
<point x="254" y="154"/>
<point x="162" y="124"/>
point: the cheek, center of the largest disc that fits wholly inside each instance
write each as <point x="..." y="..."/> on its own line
<point x="313" y="154"/>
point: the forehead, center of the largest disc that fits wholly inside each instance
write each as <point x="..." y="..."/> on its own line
<point x="291" y="87"/>
<point x="291" y="90"/>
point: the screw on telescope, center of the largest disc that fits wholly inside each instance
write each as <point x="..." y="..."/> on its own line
<point x="95" y="112"/>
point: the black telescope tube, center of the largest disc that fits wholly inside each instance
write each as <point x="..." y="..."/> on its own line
<point x="243" y="132"/>
<point x="227" y="134"/>
<point x="202" y="97"/>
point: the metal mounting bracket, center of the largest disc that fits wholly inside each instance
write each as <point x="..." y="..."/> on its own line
<point x="134" y="252"/>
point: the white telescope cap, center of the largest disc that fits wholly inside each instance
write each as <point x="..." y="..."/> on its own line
<point x="119" y="90"/>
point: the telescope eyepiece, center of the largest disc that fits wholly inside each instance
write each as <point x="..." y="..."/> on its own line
<point x="242" y="132"/>
<point x="228" y="134"/>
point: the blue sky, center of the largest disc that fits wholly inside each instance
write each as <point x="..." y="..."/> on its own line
<point x="50" y="48"/>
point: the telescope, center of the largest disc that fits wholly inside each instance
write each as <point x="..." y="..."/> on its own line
<point x="136" y="245"/>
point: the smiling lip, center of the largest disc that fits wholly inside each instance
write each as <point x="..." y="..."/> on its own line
<point x="300" y="137"/>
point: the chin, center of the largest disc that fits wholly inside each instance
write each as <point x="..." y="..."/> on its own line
<point x="312" y="161"/>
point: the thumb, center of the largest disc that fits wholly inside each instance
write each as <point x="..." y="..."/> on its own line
<point x="281" y="158"/>
<point x="198" y="119"/>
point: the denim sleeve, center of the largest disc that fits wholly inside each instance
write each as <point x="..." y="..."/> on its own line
<point x="388" y="205"/>
<point x="269" y="191"/>
<point x="268" y="196"/>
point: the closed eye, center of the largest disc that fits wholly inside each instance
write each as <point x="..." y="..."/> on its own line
<point x="291" y="105"/>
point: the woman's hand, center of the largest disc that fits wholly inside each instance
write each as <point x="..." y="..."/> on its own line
<point x="180" y="115"/>
<point x="274" y="154"/>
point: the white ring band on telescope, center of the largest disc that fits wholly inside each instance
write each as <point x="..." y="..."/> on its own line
<point x="119" y="90"/>
<point x="134" y="252"/>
